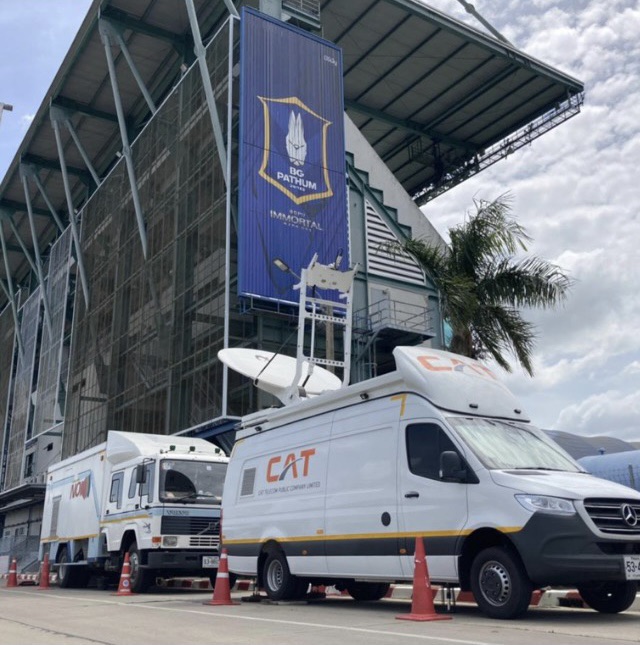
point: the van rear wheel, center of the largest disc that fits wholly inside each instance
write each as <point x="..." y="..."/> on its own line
<point x="363" y="591"/>
<point x="278" y="581"/>
<point x="500" y="584"/>
<point x="609" y="597"/>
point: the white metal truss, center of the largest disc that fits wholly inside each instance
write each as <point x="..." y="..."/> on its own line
<point x="314" y="309"/>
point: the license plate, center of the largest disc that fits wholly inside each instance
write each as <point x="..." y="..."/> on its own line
<point x="632" y="567"/>
<point x="210" y="561"/>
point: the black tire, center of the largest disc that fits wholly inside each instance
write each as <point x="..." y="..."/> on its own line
<point x="500" y="584"/>
<point x="363" y="591"/>
<point x="609" y="597"/>
<point x="141" y="579"/>
<point x="70" y="577"/>
<point x="279" y="583"/>
<point x="233" y="578"/>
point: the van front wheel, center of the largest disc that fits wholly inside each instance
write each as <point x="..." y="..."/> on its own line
<point x="278" y="581"/>
<point x="609" y="597"/>
<point x="500" y="584"/>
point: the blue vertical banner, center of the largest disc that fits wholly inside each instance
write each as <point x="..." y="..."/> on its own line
<point x="292" y="175"/>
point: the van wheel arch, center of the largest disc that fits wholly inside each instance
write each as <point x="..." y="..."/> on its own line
<point x="267" y="550"/>
<point x="127" y="540"/>
<point x="479" y="541"/>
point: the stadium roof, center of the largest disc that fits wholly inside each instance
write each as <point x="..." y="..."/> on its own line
<point x="438" y="101"/>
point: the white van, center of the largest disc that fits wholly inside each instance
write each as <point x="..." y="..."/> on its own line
<point x="335" y="490"/>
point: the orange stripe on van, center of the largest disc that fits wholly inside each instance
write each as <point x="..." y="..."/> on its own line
<point x="367" y="536"/>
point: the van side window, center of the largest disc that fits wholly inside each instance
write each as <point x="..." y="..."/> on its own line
<point x="115" y="494"/>
<point x="425" y="443"/>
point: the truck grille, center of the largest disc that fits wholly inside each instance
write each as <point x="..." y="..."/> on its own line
<point x="202" y="527"/>
<point x="618" y="516"/>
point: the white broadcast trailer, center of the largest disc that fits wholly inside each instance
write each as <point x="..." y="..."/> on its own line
<point x="152" y="496"/>
<point x="335" y="489"/>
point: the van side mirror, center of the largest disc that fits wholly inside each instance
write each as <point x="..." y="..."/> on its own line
<point x="141" y="475"/>
<point x="451" y="468"/>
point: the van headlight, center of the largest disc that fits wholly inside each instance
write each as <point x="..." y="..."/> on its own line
<point x="170" y="540"/>
<point x="545" y="504"/>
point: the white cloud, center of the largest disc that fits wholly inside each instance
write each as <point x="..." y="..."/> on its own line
<point x="575" y="190"/>
<point x="606" y="413"/>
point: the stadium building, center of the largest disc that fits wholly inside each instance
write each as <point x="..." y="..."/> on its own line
<point x="187" y="161"/>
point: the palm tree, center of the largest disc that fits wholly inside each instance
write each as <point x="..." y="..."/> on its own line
<point x="482" y="285"/>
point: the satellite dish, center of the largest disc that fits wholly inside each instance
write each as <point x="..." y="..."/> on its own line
<point x="274" y="373"/>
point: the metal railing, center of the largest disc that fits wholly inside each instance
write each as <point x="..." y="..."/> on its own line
<point x="24" y="548"/>
<point x="394" y="314"/>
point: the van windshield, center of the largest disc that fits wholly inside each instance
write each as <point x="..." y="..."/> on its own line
<point x="501" y="445"/>
<point x="191" y="482"/>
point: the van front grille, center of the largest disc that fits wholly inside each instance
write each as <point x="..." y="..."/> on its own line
<point x="616" y="516"/>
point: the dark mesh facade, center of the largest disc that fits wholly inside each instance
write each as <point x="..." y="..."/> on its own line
<point x="54" y="348"/>
<point x="20" y="424"/>
<point x="144" y="351"/>
<point x="7" y="339"/>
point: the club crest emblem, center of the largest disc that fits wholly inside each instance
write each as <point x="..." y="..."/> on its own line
<point x="295" y="150"/>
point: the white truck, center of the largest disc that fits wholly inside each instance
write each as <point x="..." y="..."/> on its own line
<point x="155" y="497"/>
<point x="335" y="488"/>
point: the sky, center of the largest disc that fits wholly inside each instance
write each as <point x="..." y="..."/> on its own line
<point x="575" y="189"/>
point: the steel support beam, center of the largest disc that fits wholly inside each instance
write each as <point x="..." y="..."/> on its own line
<point x="72" y="214"/>
<point x="43" y="193"/>
<point x="126" y="148"/>
<point x="9" y="292"/>
<point x="19" y="207"/>
<point x="52" y="164"/>
<point x="36" y="253"/>
<point x="126" y="21"/>
<point x="228" y="207"/>
<point x="63" y="116"/>
<point x="22" y="248"/>
<point x="75" y="106"/>
<point x="115" y="34"/>
<point x="409" y="126"/>
<point x="201" y="55"/>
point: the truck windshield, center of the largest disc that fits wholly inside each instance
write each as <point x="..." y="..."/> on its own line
<point x="501" y="445"/>
<point x="191" y="482"/>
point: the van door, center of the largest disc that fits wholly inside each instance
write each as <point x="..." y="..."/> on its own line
<point x="428" y="506"/>
<point x="361" y="504"/>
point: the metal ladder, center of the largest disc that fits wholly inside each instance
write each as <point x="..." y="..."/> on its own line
<point x="313" y="310"/>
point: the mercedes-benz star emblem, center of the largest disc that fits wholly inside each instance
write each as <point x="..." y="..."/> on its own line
<point x="629" y="514"/>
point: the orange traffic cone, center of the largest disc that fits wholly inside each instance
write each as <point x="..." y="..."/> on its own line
<point x="13" y="574"/>
<point x="44" y="573"/>
<point x="222" y="591"/>
<point x="124" y="586"/>
<point x="422" y="598"/>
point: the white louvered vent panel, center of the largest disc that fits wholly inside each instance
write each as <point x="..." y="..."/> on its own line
<point x="398" y="265"/>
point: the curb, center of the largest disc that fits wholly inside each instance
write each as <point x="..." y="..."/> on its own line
<point x="200" y="583"/>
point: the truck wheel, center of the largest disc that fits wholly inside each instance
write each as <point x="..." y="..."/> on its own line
<point x="500" y="584"/>
<point x="609" y="597"/>
<point x="362" y="591"/>
<point x="65" y="572"/>
<point x="278" y="581"/>
<point x="141" y="579"/>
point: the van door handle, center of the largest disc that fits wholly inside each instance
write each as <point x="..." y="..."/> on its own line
<point x="412" y="493"/>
